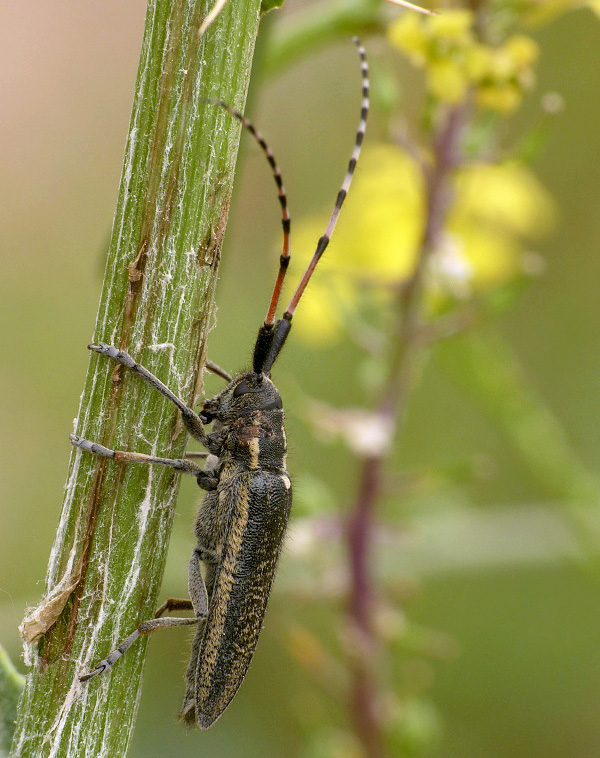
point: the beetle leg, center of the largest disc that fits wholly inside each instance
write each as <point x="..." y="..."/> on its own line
<point x="206" y="555"/>
<point x="191" y="419"/>
<point x="146" y="627"/>
<point x="218" y="371"/>
<point x="207" y="481"/>
<point x="163" y="623"/>
<point x="196" y="583"/>
<point x="174" y="604"/>
<point x="179" y="464"/>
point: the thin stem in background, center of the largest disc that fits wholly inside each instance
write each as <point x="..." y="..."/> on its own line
<point x="405" y="363"/>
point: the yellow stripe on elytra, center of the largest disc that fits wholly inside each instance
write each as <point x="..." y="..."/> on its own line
<point x="254" y="450"/>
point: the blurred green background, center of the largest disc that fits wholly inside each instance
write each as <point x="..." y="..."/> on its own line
<point x="491" y="564"/>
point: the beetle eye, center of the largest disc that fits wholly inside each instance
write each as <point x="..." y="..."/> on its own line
<point x="243" y="389"/>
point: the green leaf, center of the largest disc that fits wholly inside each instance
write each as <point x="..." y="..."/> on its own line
<point x="269" y="5"/>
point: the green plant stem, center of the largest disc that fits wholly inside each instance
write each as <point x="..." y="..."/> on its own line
<point x="107" y="562"/>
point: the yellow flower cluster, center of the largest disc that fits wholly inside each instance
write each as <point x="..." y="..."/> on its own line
<point x="455" y="62"/>
<point x="497" y="208"/>
<point x="375" y="243"/>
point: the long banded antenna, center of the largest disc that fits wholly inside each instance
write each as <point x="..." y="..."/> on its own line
<point x="284" y="259"/>
<point x="270" y="340"/>
<point x="324" y="240"/>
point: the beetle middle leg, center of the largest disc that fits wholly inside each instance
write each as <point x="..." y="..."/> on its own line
<point x="121" y="456"/>
<point x="197" y="588"/>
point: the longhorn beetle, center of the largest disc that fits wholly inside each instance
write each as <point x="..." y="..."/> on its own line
<point x="241" y="523"/>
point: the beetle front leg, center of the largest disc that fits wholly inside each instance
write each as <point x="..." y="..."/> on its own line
<point x="192" y="421"/>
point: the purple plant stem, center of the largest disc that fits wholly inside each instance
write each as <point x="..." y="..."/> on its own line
<point x="359" y="533"/>
<point x="405" y="362"/>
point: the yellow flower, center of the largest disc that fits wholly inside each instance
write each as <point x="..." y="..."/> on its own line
<point x="522" y="50"/>
<point x="496" y="210"/>
<point x="504" y="98"/>
<point x="408" y="35"/>
<point x="493" y="258"/>
<point x="381" y="223"/>
<point x="446" y="48"/>
<point x="478" y="62"/>
<point x="505" y="196"/>
<point x="375" y="242"/>
<point x="452" y="25"/>
<point x="319" y="320"/>
<point x="447" y="81"/>
<point x="502" y="67"/>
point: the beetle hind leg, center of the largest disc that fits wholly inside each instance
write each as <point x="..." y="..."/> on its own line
<point x="146" y="627"/>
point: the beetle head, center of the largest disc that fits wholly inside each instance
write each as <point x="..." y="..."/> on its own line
<point x="246" y="394"/>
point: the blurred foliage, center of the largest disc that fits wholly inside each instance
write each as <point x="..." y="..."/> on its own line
<point x="488" y="634"/>
<point x="488" y="207"/>
<point x="497" y="209"/>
